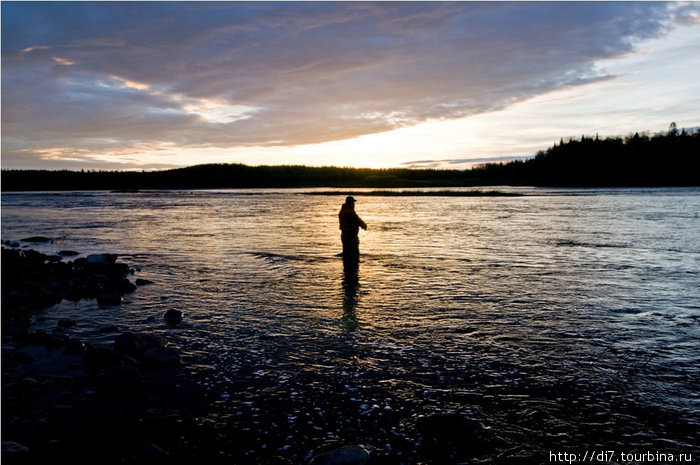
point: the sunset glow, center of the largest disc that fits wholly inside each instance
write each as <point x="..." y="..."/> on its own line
<point x="108" y="86"/>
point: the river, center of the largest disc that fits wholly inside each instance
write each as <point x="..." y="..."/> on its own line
<point x="561" y="319"/>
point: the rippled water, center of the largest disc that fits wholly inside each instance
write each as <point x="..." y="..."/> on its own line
<point x="560" y="319"/>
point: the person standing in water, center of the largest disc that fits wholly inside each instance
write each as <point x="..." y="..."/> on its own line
<point x="350" y="225"/>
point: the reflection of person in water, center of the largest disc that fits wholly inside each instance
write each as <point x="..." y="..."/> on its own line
<point x="351" y="284"/>
<point x="350" y="225"/>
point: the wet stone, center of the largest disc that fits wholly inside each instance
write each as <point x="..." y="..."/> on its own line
<point x="123" y="380"/>
<point x="68" y="253"/>
<point x="33" y="281"/>
<point x="37" y="239"/>
<point x="103" y="358"/>
<point x="102" y="258"/>
<point x="11" y="449"/>
<point x="449" y="425"/>
<point x="172" y="317"/>
<point x="137" y="344"/>
<point x="347" y="455"/>
<point x="152" y="451"/>
<point x="109" y="299"/>
<point x="162" y="356"/>
<point x="449" y="435"/>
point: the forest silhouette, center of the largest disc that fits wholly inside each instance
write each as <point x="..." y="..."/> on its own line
<point x="668" y="159"/>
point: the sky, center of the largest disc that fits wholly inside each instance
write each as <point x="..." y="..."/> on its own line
<point x="157" y="85"/>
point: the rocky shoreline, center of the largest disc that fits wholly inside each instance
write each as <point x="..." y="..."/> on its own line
<point x="135" y="402"/>
<point x="70" y="398"/>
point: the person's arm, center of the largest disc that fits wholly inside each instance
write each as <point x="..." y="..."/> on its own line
<point x="361" y="223"/>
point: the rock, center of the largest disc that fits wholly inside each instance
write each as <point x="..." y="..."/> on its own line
<point x="76" y="347"/>
<point x="125" y="286"/>
<point x="109" y="299"/>
<point x="447" y="436"/>
<point x="449" y="425"/>
<point x="30" y="381"/>
<point x="102" y="258"/>
<point x="173" y="317"/>
<point x="13" y="329"/>
<point x="101" y="358"/>
<point x="143" y="282"/>
<point x="34" y="281"/>
<point x="152" y="451"/>
<point x="147" y="348"/>
<point x="36" y="239"/>
<point x="162" y="356"/>
<point x="42" y="298"/>
<point x="65" y="323"/>
<point x="68" y="253"/>
<point x="347" y="455"/>
<point x="13" y="449"/>
<point x="122" y="379"/>
<point x="137" y="344"/>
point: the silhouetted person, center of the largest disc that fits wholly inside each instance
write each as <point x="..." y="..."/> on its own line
<point x="350" y="225"/>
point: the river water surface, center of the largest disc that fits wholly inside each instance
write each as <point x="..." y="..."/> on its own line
<point x="563" y="320"/>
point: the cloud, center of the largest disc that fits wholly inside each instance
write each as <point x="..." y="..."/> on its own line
<point x="458" y="162"/>
<point x="102" y="77"/>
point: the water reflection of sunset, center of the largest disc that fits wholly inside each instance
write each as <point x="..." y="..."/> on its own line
<point x="459" y="304"/>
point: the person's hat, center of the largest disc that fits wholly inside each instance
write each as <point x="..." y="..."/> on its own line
<point x="350" y="199"/>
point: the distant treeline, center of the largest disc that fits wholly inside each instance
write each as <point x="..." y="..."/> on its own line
<point x="671" y="159"/>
